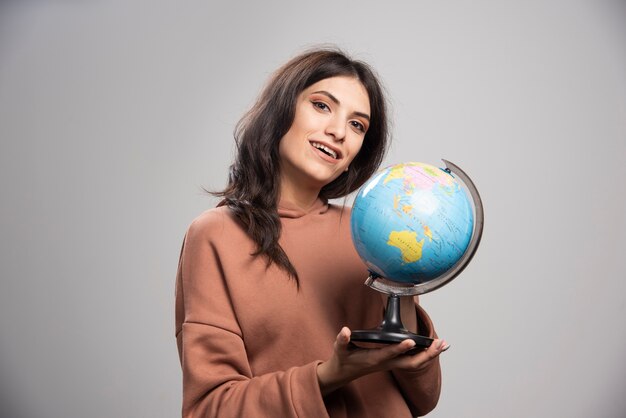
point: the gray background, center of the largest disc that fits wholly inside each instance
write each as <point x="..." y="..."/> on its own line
<point x="114" y="114"/>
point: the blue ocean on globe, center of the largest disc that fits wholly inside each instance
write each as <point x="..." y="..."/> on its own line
<point x="412" y="222"/>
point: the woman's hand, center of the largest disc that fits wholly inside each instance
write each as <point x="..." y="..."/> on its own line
<point x="349" y="362"/>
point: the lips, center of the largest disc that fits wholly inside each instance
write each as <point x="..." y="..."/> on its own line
<point x="326" y="149"/>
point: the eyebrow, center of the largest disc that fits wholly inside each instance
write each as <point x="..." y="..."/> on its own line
<point x="336" y="100"/>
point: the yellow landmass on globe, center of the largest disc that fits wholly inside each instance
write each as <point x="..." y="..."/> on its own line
<point x="407" y="208"/>
<point x="407" y="243"/>
<point x="428" y="232"/>
<point x="396" y="172"/>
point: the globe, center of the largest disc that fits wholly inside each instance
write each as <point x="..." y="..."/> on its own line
<point x="412" y="222"/>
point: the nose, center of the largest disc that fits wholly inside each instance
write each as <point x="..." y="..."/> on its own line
<point x="336" y="128"/>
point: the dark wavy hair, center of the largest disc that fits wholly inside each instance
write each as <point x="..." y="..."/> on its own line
<point x="253" y="186"/>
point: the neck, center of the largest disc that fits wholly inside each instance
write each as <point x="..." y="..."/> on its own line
<point x="299" y="195"/>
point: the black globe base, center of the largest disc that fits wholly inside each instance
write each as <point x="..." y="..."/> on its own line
<point x="381" y="336"/>
<point x="391" y="330"/>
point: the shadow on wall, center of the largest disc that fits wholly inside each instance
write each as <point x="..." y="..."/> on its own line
<point x="10" y="404"/>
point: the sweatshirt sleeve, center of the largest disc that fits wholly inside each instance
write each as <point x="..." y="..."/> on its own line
<point x="421" y="388"/>
<point x="217" y="377"/>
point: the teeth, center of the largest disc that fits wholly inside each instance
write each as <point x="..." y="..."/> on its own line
<point x="325" y="149"/>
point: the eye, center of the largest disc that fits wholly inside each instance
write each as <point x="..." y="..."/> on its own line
<point x="321" y="105"/>
<point x="358" y="125"/>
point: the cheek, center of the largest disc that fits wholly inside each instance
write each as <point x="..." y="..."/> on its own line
<point x="303" y="119"/>
<point x="284" y="144"/>
<point x="298" y="129"/>
<point x="355" y="149"/>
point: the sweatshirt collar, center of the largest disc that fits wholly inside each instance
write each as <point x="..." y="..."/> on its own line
<point x="290" y="210"/>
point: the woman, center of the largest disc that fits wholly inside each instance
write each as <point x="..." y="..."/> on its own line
<point x="268" y="278"/>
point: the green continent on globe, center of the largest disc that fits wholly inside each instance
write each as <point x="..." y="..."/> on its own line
<point x="407" y="243"/>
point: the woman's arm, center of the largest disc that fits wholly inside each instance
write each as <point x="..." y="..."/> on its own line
<point x="217" y="378"/>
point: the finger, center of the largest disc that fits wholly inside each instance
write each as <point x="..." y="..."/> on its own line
<point x="415" y="361"/>
<point x="437" y="347"/>
<point x="406" y="345"/>
<point x="441" y="346"/>
<point x="343" y="339"/>
<point x="392" y="351"/>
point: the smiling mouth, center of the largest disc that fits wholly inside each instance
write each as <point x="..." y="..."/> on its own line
<point x="325" y="150"/>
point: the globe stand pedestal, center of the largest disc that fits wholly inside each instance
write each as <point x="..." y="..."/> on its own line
<point x="391" y="330"/>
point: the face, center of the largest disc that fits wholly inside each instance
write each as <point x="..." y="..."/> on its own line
<point x="330" y="122"/>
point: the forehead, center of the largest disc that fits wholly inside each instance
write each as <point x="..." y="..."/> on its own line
<point x="348" y="90"/>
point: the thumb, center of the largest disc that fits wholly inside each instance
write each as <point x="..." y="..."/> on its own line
<point x="343" y="339"/>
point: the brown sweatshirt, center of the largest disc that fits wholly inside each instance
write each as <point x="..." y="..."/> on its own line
<point x="250" y="341"/>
